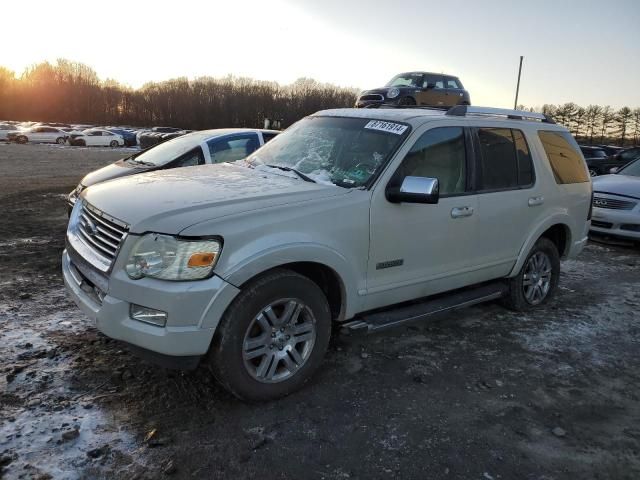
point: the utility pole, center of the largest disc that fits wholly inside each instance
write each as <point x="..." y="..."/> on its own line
<point x="515" y="104"/>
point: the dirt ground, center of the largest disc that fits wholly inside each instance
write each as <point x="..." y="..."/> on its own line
<point x="480" y="394"/>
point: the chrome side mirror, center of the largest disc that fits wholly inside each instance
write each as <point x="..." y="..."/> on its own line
<point x="415" y="190"/>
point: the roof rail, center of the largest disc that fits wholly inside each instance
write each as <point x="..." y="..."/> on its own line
<point x="463" y="110"/>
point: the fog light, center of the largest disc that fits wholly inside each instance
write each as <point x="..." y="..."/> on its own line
<point x="148" y="315"/>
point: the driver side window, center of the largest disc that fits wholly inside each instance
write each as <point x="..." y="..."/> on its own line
<point x="439" y="153"/>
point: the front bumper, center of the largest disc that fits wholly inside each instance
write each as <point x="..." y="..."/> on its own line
<point x="194" y="310"/>
<point x="617" y="223"/>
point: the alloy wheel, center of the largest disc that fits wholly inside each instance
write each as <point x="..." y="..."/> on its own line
<point x="536" y="281"/>
<point x="279" y="340"/>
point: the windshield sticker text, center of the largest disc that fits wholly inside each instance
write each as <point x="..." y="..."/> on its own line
<point x="390" y="127"/>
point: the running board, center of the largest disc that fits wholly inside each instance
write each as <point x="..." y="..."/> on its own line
<point x="382" y="320"/>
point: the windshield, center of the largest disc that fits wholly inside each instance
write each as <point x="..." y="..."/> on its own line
<point x="632" y="169"/>
<point x="165" y="152"/>
<point x="406" y="80"/>
<point x="347" y="152"/>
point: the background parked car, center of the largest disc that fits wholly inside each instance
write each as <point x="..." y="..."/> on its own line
<point x="97" y="137"/>
<point x="417" y="88"/>
<point x="129" y="136"/>
<point x="149" y="139"/>
<point x="616" y="203"/>
<point x="626" y="156"/>
<point x="197" y="148"/>
<point x="598" y="161"/>
<point x="5" y="128"/>
<point x="39" y="135"/>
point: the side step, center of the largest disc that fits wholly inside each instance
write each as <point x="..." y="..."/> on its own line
<point x="382" y="320"/>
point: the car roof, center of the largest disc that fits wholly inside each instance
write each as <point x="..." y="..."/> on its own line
<point x="419" y="116"/>
<point x="218" y="132"/>
<point x="426" y="73"/>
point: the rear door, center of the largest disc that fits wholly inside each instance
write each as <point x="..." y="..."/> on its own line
<point x="454" y="91"/>
<point x="510" y="201"/>
<point x="433" y="92"/>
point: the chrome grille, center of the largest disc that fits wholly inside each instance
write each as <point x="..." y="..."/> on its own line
<point x="101" y="232"/>
<point x="372" y="97"/>
<point x="613" y="203"/>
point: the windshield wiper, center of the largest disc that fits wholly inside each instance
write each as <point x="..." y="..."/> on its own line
<point x="289" y="169"/>
<point x="142" y="162"/>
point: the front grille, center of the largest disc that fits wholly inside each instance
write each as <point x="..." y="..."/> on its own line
<point x="613" y="203"/>
<point x="101" y="232"/>
<point x="372" y="98"/>
<point x="597" y="224"/>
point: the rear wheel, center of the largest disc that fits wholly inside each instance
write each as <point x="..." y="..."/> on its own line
<point x="114" y="143"/>
<point x="407" y="101"/>
<point x="60" y="140"/>
<point x="593" y="172"/>
<point x="272" y="338"/>
<point x="81" y="143"/>
<point x="537" y="280"/>
<point x="22" y="139"/>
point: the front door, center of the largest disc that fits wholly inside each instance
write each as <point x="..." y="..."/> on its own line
<point x="413" y="244"/>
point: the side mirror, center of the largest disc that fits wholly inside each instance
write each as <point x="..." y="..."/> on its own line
<point x="415" y="190"/>
<point x="614" y="170"/>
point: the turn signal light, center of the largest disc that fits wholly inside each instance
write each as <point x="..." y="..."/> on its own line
<point x="202" y="259"/>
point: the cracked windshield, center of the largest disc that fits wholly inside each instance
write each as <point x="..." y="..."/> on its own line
<point x="347" y="152"/>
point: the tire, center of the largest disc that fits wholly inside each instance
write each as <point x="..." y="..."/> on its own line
<point x="22" y="139"/>
<point x="245" y="345"/>
<point x="81" y="143"/>
<point x="114" y="144"/>
<point x="407" y="101"/>
<point x="60" y="140"/>
<point x="519" y="297"/>
<point x="593" y="172"/>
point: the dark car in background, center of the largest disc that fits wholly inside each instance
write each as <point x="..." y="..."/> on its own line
<point x="598" y="162"/>
<point x="417" y="88"/>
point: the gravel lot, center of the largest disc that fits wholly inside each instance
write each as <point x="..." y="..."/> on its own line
<point x="479" y="394"/>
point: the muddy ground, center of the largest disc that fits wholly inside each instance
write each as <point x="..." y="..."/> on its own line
<point x="480" y="394"/>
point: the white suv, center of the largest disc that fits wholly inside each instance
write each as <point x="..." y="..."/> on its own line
<point x="350" y="217"/>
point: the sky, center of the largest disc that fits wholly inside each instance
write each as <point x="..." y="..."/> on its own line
<point x="584" y="51"/>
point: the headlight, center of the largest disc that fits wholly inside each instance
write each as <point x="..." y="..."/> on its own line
<point x="393" y="93"/>
<point x="170" y="258"/>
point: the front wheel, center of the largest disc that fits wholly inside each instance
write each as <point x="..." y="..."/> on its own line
<point x="113" y="144"/>
<point x="593" y="172"/>
<point x="22" y="139"/>
<point x="60" y="141"/>
<point x="537" y="280"/>
<point x="272" y="338"/>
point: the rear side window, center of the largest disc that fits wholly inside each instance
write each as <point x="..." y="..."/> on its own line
<point x="505" y="160"/>
<point x="564" y="157"/>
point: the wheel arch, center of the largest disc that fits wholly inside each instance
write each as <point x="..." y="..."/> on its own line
<point x="555" y="229"/>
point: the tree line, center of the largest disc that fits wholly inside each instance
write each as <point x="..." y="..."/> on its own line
<point x="596" y="124"/>
<point x="71" y="92"/>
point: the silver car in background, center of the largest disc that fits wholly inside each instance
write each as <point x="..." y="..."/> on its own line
<point x="616" y="203"/>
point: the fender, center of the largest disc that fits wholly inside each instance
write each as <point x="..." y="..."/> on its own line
<point x="558" y="218"/>
<point x="280" y="255"/>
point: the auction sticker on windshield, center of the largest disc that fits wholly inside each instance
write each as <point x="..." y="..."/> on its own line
<point x="390" y="127"/>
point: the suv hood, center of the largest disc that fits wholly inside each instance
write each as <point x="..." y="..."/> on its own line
<point x="618" y="184"/>
<point x="115" y="170"/>
<point x="168" y="201"/>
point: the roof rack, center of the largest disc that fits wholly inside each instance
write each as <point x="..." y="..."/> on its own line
<point x="463" y="110"/>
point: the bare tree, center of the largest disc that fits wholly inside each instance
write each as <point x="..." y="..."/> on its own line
<point x="623" y="120"/>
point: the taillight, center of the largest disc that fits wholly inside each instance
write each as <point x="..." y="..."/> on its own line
<point x="590" y="206"/>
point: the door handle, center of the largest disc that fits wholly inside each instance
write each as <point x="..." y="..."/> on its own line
<point x="535" y="201"/>
<point x="460" y="212"/>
